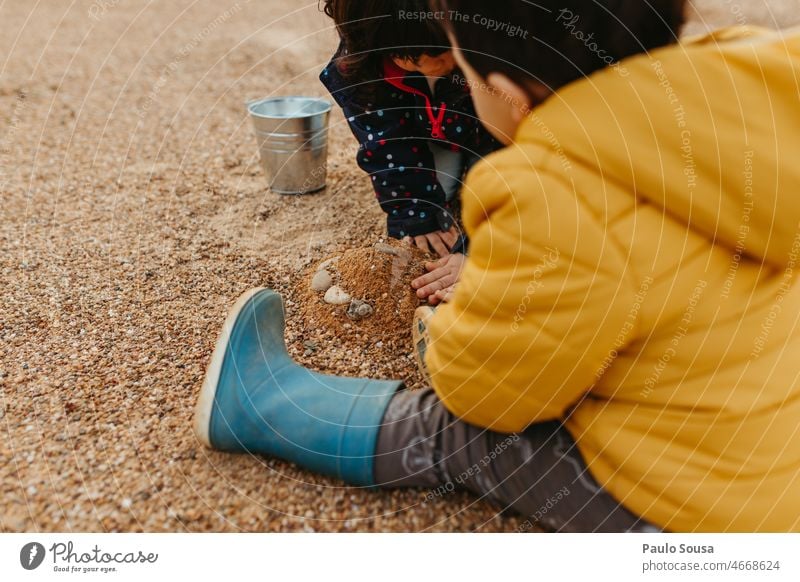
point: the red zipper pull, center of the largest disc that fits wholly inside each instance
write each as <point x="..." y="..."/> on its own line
<point x="437" y="132"/>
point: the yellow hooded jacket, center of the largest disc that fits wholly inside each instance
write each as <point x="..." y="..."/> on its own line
<point x="633" y="268"/>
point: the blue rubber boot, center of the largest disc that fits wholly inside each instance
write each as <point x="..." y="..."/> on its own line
<point x="256" y="399"/>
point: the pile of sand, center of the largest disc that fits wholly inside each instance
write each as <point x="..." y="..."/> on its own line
<point x="365" y="292"/>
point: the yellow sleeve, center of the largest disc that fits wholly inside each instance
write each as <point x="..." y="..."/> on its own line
<point x="539" y="307"/>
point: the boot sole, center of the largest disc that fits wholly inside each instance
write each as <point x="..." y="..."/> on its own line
<point x="421" y="339"/>
<point x="208" y="392"/>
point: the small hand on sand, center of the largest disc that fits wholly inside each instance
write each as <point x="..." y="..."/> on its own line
<point x="438" y="284"/>
<point x="439" y="242"/>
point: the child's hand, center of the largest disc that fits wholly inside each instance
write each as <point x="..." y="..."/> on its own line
<point x="443" y="296"/>
<point x="440" y="241"/>
<point x="437" y="284"/>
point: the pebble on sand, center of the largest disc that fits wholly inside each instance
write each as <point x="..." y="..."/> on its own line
<point x="337" y="296"/>
<point x="324" y="265"/>
<point x="322" y="281"/>
<point x="387" y="249"/>
<point x="359" y="309"/>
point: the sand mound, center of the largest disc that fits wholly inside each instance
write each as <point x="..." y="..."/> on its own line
<point x="365" y="291"/>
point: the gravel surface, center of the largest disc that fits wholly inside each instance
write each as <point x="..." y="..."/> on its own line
<point x="133" y="214"/>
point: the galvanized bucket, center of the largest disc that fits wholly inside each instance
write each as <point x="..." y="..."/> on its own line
<point x="292" y="137"/>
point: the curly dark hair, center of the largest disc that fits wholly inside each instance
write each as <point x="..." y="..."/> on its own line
<point x="372" y="30"/>
<point x="555" y="42"/>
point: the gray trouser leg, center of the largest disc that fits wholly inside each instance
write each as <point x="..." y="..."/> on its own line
<point x="538" y="473"/>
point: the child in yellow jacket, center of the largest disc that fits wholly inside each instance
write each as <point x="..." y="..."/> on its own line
<point x="619" y="352"/>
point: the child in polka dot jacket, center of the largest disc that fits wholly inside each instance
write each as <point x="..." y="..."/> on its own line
<point x="411" y="111"/>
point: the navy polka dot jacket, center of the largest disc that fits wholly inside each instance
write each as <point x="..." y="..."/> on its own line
<point x="393" y="127"/>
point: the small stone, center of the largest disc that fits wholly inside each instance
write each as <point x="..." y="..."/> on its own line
<point x="394" y="251"/>
<point x="126" y="503"/>
<point x="337" y="296"/>
<point x="322" y="281"/>
<point x="325" y="265"/>
<point x="386" y="249"/>
<point x="359" y="309"/>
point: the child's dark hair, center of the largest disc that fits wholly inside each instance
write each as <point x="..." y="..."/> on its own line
<point x="555" y="42"/>
<point x="372" y="30"/>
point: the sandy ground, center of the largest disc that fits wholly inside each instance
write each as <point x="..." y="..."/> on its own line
<point x="133" y="214"/>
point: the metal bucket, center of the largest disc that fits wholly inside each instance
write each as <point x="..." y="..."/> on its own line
<point x="292" y="137"/>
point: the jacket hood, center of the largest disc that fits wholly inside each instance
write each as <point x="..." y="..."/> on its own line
<point x="716" y="123"/>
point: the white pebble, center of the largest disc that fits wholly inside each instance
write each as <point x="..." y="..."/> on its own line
<point x="322" y="281"/>
<point x="337" y="296"/>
